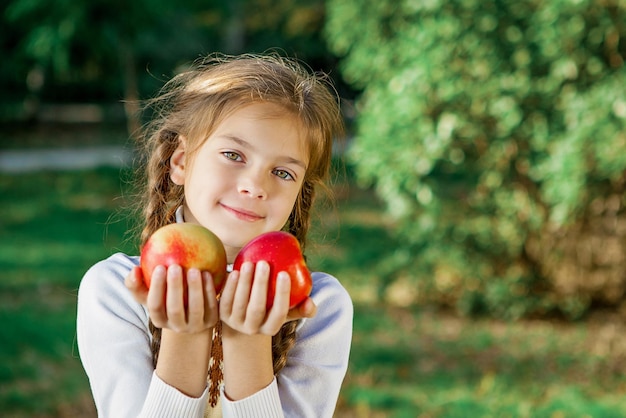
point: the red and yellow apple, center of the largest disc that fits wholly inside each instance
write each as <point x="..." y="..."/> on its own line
<point x="187" y="245"/>
<point x="281" y="250"/>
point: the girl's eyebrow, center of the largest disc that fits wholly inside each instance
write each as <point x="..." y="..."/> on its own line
<point x="246" y="144"/>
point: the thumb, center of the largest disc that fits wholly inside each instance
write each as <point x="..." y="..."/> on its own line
<point x="134" y="282"/>
<point x="306" y="309"/>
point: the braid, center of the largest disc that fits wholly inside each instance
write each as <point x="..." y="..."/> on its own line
<point x="282" y="343"/>
<point x="162" y="197"/>
<point x="155" y="344"/>
<point x="298" y="225"/>
<point x="299" y="220"/>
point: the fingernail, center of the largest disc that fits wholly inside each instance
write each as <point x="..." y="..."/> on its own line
<point x="233" y="275"/>
<point x="262" y="266"/>
<point x="193" y="274"/>
<point x="247" y="267"/>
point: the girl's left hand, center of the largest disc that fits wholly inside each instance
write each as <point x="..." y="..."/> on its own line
<point x="172" y="305"/>
<point x="243" y="302"/>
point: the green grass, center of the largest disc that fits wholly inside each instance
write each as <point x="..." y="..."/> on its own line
<point x="54" y="225"/>
<point x="405" y="361"/>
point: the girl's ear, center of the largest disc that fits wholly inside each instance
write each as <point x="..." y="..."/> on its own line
<point x="177" y="163"/>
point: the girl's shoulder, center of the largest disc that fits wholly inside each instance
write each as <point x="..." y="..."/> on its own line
<point x="117" y="265"/>
<point x="105" y="279"/>
<point x="119" y="261"/>
<point x="326" y="288"/>
<point x="334" y="304"/>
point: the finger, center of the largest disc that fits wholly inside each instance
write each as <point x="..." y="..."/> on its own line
<point x="257" y="304"/>
<point x="174" y="298"/>
<point x="156" y="297"/>
<point x="278" y="313"/>
<point x="134" y="282"/>
<point x="242" y="293"/>
<point x="228" y="294"/>
<point x="210" y="300"/>
<point x="306" y="309"/>
<point x="195" y="300"/>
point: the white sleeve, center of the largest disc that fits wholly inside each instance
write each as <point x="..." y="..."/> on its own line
<point x="308" y="386"/>
<point x="164" y="400"/>
<point x="114" y="345"/>
<point x="265" y="403"/>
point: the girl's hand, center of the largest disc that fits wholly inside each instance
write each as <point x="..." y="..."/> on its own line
<point x="244" y="298"/>
<point x="170" y="304"/>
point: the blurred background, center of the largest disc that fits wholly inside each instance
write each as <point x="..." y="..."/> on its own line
<point x="479" y="219"/>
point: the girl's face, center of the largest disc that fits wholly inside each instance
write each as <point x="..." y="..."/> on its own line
<point x="245" y="178"/>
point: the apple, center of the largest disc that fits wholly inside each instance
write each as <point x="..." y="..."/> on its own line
<point x="189" y="246"/>
<point x="281" y="250"/>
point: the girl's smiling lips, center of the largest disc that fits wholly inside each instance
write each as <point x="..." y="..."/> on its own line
<point x="243" y="214"/>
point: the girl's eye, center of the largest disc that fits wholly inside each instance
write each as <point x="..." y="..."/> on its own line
<point x="233" y="156"/>
<point x="283" y="174"/>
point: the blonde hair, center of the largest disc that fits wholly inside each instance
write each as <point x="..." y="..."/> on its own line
<point x="195" y="102"/>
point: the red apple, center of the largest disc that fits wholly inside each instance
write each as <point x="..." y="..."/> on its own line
<point x="189" y="246"/>
<point x="281" y="251"/>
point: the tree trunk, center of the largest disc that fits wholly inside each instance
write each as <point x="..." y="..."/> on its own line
<point x="131" y="90"/>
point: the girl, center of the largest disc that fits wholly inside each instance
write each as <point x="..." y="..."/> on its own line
<point x="239" y="145"/>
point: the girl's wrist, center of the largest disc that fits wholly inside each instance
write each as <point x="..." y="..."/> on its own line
<point x="229" y="333"/>
<point x="248" y="366"/>
<point x="184" y="360"/>
<point x="188" y="336"/>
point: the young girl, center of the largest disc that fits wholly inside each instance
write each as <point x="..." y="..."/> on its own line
<point x="239" y="145"/>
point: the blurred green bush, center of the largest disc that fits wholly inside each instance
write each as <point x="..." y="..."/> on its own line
<point x="495" y="133"/>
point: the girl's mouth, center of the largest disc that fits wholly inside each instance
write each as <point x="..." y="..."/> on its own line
<point x="242" y="214"/>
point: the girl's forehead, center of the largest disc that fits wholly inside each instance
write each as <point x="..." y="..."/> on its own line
<point x="262" y="116"/>
<point x="262" y="112"/>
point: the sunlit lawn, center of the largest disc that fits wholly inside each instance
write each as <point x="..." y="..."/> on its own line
<point x="406" y="362"/>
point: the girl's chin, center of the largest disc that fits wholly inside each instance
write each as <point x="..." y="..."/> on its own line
<point x="232" y="249"/>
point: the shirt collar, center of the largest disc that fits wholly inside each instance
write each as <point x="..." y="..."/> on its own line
<point x="179" y="215"/>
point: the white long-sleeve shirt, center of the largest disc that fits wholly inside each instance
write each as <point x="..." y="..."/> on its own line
<point x="114" y="345"/>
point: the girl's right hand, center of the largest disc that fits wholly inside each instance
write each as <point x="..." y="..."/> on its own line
<point x="244" y="300"/>
<point x="172" y="306"/>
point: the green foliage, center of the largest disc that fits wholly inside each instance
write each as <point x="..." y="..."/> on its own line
<point x="486" y="126"/>
<point x="102" y="51"/>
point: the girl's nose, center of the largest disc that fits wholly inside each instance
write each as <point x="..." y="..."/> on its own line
<point x="252" y="186"/>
